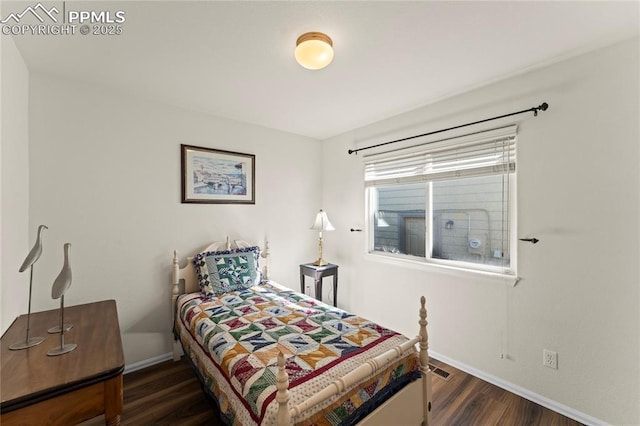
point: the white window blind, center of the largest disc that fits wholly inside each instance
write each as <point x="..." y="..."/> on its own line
<point x="479" y="154"/>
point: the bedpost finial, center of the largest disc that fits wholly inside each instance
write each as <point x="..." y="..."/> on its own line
<point x="423" y="313"/>
<point x="265" y="253"/>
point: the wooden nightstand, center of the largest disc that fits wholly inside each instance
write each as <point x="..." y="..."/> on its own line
<point x="318" y="273"/>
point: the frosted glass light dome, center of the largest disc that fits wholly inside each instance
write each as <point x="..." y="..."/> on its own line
<point x="314" y="50"/>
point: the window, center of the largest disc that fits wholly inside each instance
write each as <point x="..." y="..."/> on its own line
<point x="447" y="202"/>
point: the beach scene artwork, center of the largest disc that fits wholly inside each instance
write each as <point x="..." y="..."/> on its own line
<point x="219" y="176"/>
<point x="216" y="176"/>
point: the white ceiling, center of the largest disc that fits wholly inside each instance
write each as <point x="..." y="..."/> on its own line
<point x="235" y="59"/>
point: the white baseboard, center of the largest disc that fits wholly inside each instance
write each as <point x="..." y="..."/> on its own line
<point x="130" y="368"/>
<point x="525" y="393"/>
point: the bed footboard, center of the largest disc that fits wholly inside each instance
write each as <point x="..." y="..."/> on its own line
<point x="407" y="395"/>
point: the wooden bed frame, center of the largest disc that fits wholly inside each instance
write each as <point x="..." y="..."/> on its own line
<point x="410" y="406"/>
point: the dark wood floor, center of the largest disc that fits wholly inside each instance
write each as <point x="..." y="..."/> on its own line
<point x="463" y="399"/>
<point x="170" y="394"/>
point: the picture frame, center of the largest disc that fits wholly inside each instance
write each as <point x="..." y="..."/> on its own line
<point x="215" y="176"/>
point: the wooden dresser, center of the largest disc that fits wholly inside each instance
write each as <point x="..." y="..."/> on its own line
<point x="37" y="389"/>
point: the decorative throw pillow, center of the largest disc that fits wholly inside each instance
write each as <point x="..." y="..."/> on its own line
<point x="231" y="272"/>
<point x="224" y="271"/>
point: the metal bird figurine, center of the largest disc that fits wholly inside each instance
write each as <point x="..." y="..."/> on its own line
<point x="35" y="252"/>
<point x="59" y="288"/>
<point x="31" y="258"/>
<point x="63" y="280"/>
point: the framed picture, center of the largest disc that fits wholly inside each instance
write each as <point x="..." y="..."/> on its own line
<point x="216" y="176"/>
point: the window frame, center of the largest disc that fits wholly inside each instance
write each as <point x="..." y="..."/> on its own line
<point x="371" y="208"/>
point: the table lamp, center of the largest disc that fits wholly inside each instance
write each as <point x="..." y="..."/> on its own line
<point x="321" y="224"/>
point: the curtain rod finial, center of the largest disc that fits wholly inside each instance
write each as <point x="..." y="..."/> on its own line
<point x="542" y="107"/>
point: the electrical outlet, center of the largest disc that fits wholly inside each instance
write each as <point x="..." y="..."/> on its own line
<point x="550" y="359"/>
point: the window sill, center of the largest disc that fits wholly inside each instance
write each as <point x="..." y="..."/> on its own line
<point x="417" y="263"/>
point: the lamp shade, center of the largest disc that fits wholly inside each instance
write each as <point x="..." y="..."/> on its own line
<point x="322" y="222"/>
<point x="314" y="50"/>
<point x="382" y="223"/>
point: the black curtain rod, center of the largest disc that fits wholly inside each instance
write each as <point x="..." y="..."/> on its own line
<point x="542" y="107"/>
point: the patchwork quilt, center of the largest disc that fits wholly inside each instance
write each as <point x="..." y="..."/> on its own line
<point x="233" y="341"/>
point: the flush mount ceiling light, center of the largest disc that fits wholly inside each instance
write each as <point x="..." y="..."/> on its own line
<point x="314" y="50"/>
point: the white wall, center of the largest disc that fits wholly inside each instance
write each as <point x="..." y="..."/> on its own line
<point x="105" y="176"/>
<point x="14" y="167"/>
<point x="578" y="192"/>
